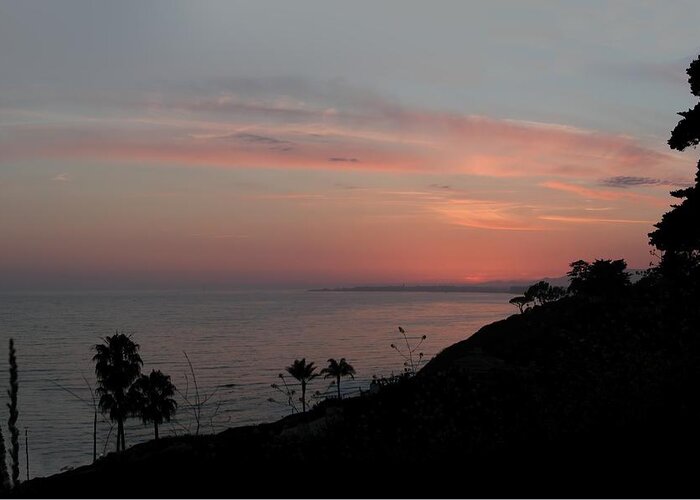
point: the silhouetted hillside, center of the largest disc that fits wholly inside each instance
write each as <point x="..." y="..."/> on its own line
<point x="584" y="397"/>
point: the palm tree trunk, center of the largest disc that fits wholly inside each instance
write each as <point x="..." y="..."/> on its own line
<point x="303" y="396"/>
<point x="26" y="450"/>
<point x="338" y="386"/>
<point x="123" y="440"/>
<point x="94" y="437"/>
<point x="119" y="433"/>
<point x="155" y="425"/>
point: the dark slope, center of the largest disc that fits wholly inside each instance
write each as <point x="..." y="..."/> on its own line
<point x="583" y="397"/>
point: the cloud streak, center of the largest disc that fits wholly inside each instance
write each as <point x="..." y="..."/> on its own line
<point x="592" y="220"/>
<point x="488" y="214"/>
<point x="343" y="160"/>
<point x="232" y="129"/>
<point x="625" y="181"/>
<point x="601" y="194"/>
<point x="268" y="143"/>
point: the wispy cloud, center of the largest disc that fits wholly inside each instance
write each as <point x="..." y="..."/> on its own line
<point x="591" y="220"/>
<point x="601" y="194"/>
<point x="341" y="160"/>
<point x="625" y="181"/>
<point x="271" y="143"/>
<point x="60" y="178"/>
<point x="217" y="236"/>
<point x="332" y="127"/>
<point x="486" y="214"/>
<point x="289" y="196"/>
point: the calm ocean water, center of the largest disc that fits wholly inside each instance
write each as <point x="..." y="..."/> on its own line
<point x="237" y="341"/>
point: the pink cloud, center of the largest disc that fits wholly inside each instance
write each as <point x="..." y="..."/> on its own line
<point x="603" y="194"/>
<point x="592" y="220"/>
<point x="230" y="130"/>
<point x="156" y="146"/>
<point x="485" y="214"/>
<point x="442" y="195"/>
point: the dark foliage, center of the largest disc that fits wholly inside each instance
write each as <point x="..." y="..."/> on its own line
<point x="117" y="366"/>
<point x="542" y="292"/>
<point x="151" y="397"/>
<point x="520" y="302"/>
<point x="538" y="294"/>
<point x="601" y="278"/>
<point x="687" y="131"/>
<point x="304" y="373"/>
<point x="338" y="370"/>
<point x="677" y="234"/>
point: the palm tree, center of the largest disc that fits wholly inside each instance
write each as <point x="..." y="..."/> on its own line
<point x="304" y="373"/>
<point x="117" y="365"/>
<point x="338" y="369"/>
<point x="152" y="398"/>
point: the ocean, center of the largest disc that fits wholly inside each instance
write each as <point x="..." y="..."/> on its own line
<point x="238" y="342"/>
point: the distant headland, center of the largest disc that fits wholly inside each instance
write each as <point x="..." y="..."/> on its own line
<point x="505" y="286"/>
<point x="429" y="288"/>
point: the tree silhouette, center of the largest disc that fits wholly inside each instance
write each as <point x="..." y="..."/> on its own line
<point x="304" y="373"/>
<point x="117" y="365"/>
<point x="537" y="293"/>
<point x="14" y="414"/>
<point x="555" y="293"/>
<point x="677" y="234"/>
<point x="687" y="131"/>
<point x="542" y="292"/>
<point x="599" y="278"/>
<point x="520" y="302"/>
<point x="337" y="370"/>
<point x="152" y="398"/>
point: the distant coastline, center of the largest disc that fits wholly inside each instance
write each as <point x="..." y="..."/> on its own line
<point x="428" y="288"/>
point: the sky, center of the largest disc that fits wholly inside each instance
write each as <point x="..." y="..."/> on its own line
<point x="160" y="144"/>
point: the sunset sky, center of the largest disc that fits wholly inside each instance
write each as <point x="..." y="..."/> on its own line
<point x="168" y="144"/>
